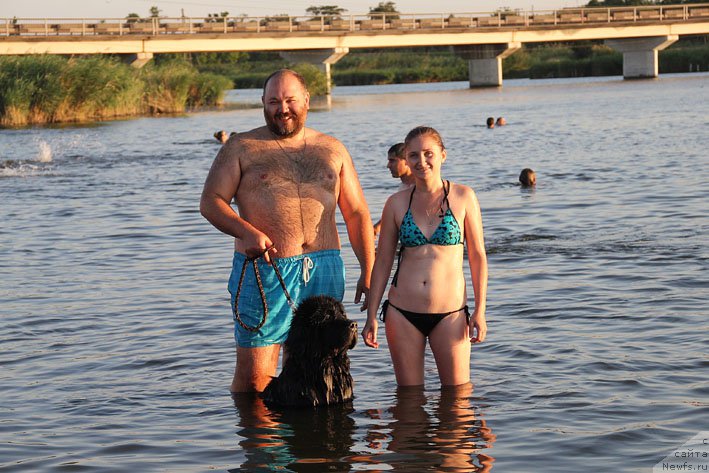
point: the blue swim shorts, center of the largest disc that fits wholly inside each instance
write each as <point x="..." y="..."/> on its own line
<point x="317" y="273"/>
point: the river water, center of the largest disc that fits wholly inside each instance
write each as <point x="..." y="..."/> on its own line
<point x="116" y="334"/>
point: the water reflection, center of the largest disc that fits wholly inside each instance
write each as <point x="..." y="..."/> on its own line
<point x="423" y="434"/>
<point x="299" y="440"/>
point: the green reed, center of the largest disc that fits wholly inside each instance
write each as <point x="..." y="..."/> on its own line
<point x="693" y="58"/>
<point x="208" y="89"/>
<point x="252" y="76"/>
<point x="167" y="86"/>
<point x="51" y="89"/>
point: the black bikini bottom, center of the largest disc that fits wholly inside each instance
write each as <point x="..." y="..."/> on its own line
<point x="425" y="323"/>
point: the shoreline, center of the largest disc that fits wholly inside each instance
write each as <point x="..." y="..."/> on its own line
<point x="233" y="100"/>
<point x="41" y="90"/>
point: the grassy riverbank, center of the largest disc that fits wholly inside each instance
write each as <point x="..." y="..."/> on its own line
<point x="250" y="70"/>
<point x="535" y="61"/>
<point x="52" y="89"/>
<point x="539" y="61"/>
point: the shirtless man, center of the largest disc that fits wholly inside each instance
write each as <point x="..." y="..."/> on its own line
<point x="396" y="163"/>
<point x="287" y="181"/>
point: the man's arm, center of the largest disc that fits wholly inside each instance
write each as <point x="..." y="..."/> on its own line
<point x="219" y="188"/>
<point x="377" y="227"/>
<point x="359" y="224"/>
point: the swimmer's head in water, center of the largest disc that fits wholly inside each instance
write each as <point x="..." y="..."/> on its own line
<point x="528" y="177"/>
<point x="221" y="136"/>
<point x="285" y="103"/>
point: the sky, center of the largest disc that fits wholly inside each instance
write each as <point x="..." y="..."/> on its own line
<point x="199" y="8"/>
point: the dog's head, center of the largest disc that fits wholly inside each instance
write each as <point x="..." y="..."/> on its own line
<point x="321" y="329"/>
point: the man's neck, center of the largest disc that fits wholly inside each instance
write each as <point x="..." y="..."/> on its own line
<point x="407" y="179"/>
<point x="296" y="138"/>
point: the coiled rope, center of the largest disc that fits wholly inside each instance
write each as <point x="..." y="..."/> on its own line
<point x="235" y="309"/>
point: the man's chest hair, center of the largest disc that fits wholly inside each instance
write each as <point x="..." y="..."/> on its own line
<point x="308" y="169"/>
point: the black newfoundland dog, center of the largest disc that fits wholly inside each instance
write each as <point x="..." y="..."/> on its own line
<point x="316" y="371"/>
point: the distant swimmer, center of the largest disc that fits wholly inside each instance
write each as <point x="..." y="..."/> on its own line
<point x="527" y="178"/>
<point x="396" y="163"/>
<point x="490" y="122"/>
<point x="501" y="121"/>
<point x="222" y="137"/>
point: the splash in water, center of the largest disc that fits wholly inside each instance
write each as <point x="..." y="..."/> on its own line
<point x="45" y="153"/>
<point x="28" y="167"/>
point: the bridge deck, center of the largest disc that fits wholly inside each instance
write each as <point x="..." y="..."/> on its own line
<point x="47" y="29"/>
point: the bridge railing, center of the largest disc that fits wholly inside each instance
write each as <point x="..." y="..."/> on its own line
<point x="391" y="22"/>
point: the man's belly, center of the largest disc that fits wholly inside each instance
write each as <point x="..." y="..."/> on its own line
<point x="293" y="237"/>
<point x="296" y="218"/>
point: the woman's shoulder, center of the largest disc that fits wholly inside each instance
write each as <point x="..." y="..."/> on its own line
<point x="399" y="199"/>
<point x="461" y="190"/>
<point x="401" y="194"/>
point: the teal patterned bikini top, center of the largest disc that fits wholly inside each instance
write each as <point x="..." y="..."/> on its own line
<point x="447" y="233"/>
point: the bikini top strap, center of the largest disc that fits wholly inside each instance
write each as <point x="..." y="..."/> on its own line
<point x="395" y="279"/>
<point x="411" y="198"/>
<point x="446" y="190"/>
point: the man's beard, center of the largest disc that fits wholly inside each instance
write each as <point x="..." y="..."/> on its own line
<point x="287" y="130"/>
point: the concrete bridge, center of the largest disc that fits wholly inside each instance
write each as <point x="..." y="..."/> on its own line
<point x="484" y="39"/>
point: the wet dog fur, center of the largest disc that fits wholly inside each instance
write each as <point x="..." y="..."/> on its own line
<point x="316" y="371"/>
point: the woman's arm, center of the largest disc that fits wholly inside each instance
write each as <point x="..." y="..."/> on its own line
<point x="383" y="262"/>
<point x="477" y="259"/>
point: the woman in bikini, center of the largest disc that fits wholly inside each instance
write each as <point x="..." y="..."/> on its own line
<point x="427" y="298"/>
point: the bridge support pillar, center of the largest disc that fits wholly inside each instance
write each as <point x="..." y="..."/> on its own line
<point x="138" y="60"/>
<point x="640" y="54"/>
<point x="322" y="58"/>
<point x="485" y="62"/>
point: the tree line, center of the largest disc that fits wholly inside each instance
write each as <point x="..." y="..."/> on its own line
<point x="333" y="12"/>
<point x="328" y="11"/>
